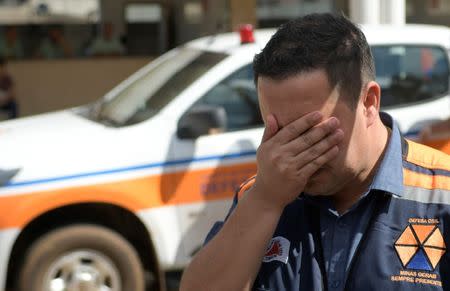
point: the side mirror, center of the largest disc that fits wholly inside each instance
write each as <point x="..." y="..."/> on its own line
<point x="202" y="120"/>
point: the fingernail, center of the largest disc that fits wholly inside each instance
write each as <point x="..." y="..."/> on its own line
<point x="334" y="122"/>
<point x="317" y="115"/>
<point x="339" y="133"/>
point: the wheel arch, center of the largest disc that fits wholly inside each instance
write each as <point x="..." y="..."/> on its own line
<point x="111" y="216"/>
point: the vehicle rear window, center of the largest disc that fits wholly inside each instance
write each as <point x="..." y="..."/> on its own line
<point x="409" y="74"/>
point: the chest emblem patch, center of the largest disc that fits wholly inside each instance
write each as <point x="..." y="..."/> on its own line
<point x="420" y="246"/>
<point x="278" y="250"/>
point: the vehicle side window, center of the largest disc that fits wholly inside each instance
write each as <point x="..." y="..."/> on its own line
<point x="409" y="74"/>
<point x="237" y="95"/>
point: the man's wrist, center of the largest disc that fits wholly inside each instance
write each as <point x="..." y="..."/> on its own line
<point x="257" y="195"/>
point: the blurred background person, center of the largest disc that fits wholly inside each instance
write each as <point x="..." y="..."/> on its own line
<point x="435" y="131"/>
<point x="11" y="46"/>
<point x="437" y="135"/>
<point x="107" y="44"/>
<point x="54" y="46"/>
<point x="8" y="103"/>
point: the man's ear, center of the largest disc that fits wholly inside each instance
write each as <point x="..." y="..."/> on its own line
<point x="371" y="102"/>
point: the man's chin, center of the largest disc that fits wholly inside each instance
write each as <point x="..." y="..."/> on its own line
<point x="320" y="184"/>
<point x="318" y="189"/>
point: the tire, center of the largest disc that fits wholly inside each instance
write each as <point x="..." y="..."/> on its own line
<point x="78" y="253"/>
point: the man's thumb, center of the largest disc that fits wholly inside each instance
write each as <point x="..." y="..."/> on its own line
<point x="271" y="127"/>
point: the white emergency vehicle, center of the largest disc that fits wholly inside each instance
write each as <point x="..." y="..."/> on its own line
<point x="109" y="195"/>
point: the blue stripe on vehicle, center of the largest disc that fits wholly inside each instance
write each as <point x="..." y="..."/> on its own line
<point x="427" y="171"/>
<point x="131" y="169"/>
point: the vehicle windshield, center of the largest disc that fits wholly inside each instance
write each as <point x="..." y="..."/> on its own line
<point x="409" y="74"/>
<point x="146" y="96"/>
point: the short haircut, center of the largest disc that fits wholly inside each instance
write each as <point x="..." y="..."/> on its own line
<point x="319" y="41"/>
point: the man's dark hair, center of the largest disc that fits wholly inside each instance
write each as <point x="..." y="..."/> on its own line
<point x="319" y="41"/>
<point x="2" y="61"/>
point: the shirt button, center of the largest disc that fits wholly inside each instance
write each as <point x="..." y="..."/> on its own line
<point x="335" y="283"/>
<point x="341" y="224"/>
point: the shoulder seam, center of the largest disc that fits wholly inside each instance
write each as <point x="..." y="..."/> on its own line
<point x="407" y="165"/>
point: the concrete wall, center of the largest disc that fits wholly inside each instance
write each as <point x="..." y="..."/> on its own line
<point x="419" y="11"/>
<point x="196" y="18"/>
<point x="44" y="86"/>
<point x="242" y="12"/>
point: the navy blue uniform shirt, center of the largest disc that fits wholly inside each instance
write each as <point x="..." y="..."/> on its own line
<point x="341" y="234"/>
<point x="370" y="246"/>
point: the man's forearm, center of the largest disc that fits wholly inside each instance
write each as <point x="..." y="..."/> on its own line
<point x="286" y="158"/>
<point x="231" y="260"/>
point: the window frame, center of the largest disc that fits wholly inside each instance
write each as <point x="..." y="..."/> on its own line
<point x="446" y="53"/>
<point x="226" y="79"/>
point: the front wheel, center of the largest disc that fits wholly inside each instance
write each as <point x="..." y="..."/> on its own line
<point x="81" y="257"/>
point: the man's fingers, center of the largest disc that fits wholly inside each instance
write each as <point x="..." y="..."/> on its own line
<point x="299" y="126"/>
<point x="312" y="136"/>
<point x="318" y="149"/>
<point x="310" y="168"/>
<point x="271" y="128"/>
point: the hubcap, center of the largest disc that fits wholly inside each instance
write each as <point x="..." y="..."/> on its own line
<point x="82" y="270"/>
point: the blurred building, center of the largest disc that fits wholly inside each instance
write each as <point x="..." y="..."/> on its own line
<point x="149" y="27"/>
<point x="144" y="29"/>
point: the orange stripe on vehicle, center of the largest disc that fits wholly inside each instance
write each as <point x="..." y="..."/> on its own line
<point x="414" y="179"/>
<point x="135" y="194"/>
<point x="427" y="157"/>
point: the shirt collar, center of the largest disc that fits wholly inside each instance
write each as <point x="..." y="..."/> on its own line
<point x="389" y="176"/>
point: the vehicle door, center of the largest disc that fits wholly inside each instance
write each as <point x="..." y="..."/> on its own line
<point x="222" y="157"/>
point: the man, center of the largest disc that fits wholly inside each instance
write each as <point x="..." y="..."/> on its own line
<point x="54" y="46"/>
<point x="8" y="104"/>
<point x="11" y="47"/>
<point x="107" y="45"/>
<point x="340" y="200"/>
<point x="437" y="135"/>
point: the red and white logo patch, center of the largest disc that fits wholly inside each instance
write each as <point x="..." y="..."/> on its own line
<point x="278" y="250"/>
